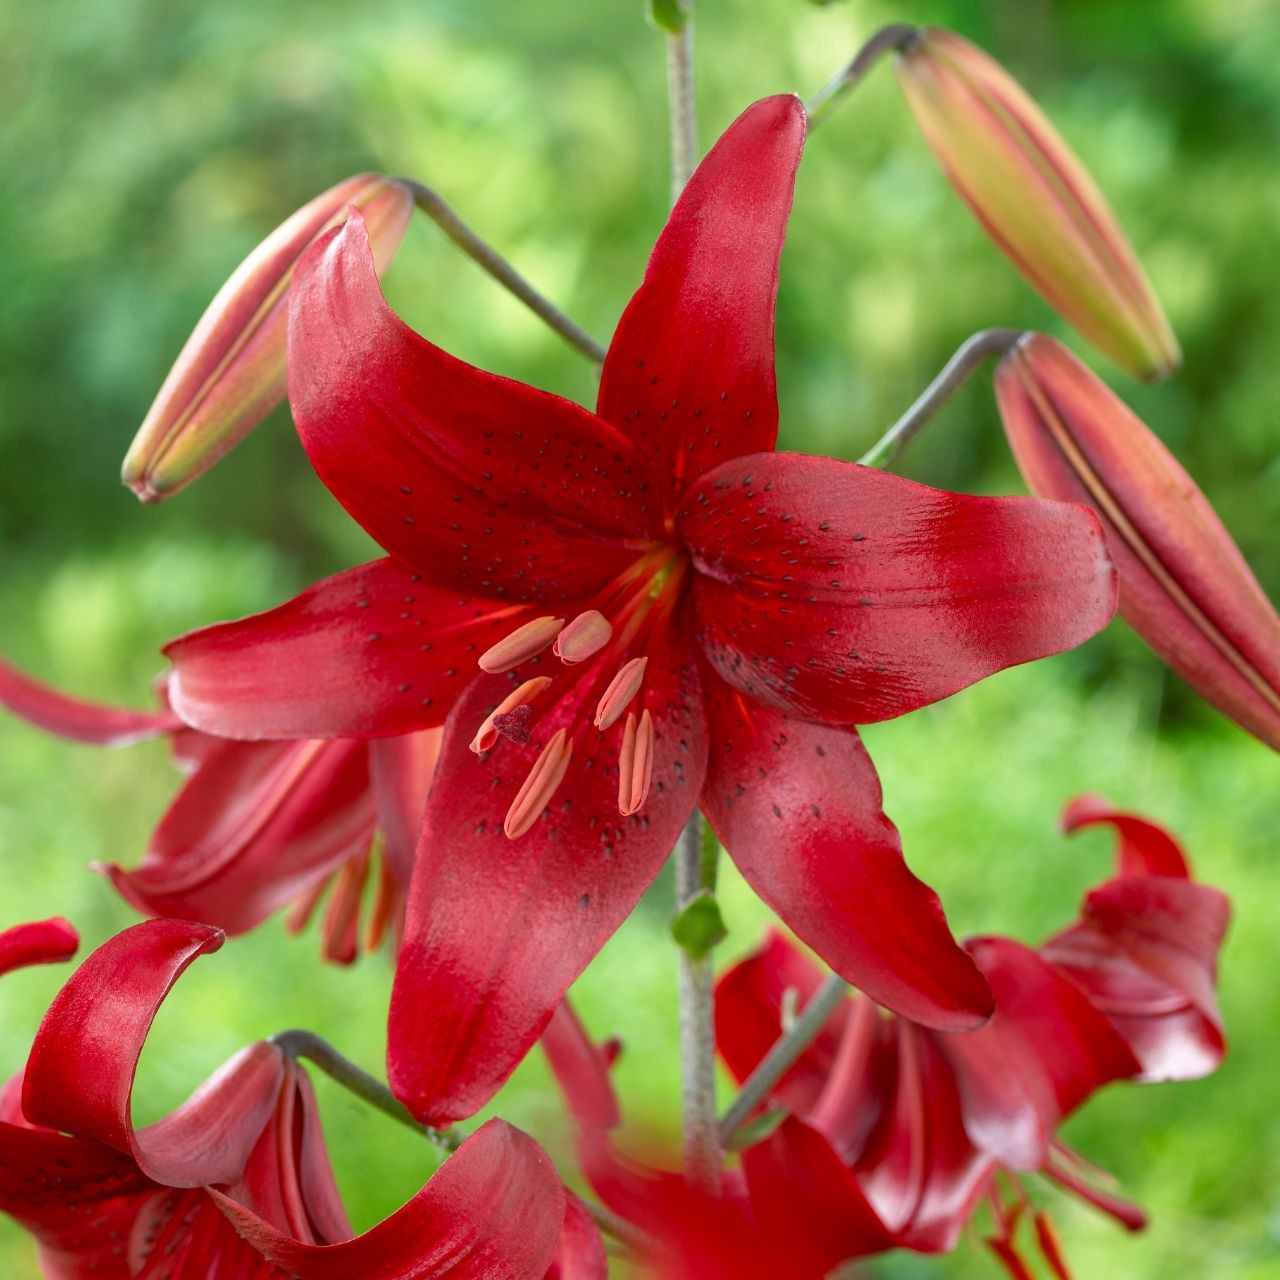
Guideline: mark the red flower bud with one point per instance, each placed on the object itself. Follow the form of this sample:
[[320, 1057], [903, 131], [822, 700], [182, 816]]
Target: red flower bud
[[1035, 199], [1184, 586], [231, 373]]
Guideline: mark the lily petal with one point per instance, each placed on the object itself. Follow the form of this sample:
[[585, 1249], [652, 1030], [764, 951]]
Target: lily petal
[[75, 719], [843, 594], [41, 942], [580, 1254], [370, 652], [1184, 586], [80, 1074], [1144, 848], [254, 827], [798, 807], [1015, 1094], [581, 1068], [497, 929], [401, 770], [689, 374], [479, 483], [493, 1209]]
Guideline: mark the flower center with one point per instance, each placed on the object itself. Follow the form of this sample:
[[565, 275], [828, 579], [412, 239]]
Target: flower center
[[617, 630]]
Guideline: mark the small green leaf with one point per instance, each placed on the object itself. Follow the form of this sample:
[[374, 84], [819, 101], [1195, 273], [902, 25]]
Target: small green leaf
[[668, 15], [757, 1130], [699, 926]]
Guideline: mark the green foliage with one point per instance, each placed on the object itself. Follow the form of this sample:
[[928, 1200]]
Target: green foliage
[[699, 928], [147, 146], [668, 15]]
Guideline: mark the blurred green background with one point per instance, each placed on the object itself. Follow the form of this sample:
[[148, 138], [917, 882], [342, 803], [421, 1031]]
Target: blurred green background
[[149, 145]]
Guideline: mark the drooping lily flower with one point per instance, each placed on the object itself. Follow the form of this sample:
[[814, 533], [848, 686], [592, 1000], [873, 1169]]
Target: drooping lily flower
[[917, 1123], [259, 825], [237, 1181], [1184, 586], [1035, 199], [231, 373], [621, 615]]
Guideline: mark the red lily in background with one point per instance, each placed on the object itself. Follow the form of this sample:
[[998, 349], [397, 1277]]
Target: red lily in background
[[903, 1126], [719, 617], [261, 824], [237, 1181]]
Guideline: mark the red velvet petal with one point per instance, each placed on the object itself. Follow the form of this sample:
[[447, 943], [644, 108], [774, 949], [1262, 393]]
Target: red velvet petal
[[847, 595], [401, 769], [494, 1209], [41, 942], [1043, 1053], [480, 483], [802, 1191], [258, 824], [919, 1169], [77, 1198], [372, 651], [1144, 848], [582, 1070], [75, 719], [689, 374], [497, 929], [1146, 954], [80, 1073], [748, 1011], [580, 1254], [798, 807]]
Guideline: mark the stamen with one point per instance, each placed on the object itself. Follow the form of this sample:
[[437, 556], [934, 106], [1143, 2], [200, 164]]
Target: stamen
[[520, 645], [1127, 1215], [588, 633], [487, 733], [514, 725], [622, 688], [1047, 1238], [635, 763], [537, 789]]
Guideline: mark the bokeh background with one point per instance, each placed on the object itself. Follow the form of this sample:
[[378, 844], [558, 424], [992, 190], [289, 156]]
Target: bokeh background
[[148, 144]]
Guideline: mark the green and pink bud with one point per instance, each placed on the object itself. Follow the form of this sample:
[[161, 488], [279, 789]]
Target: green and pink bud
[[1184, 586], [231, 373], [1035, 199]]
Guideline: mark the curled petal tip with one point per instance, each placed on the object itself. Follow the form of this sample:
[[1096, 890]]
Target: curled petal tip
[[1035, 199], [231, 373], [1184, 585]]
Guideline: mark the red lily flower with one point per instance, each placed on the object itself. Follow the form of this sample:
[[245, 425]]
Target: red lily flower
[[719, 616], [261, 824], [916, 1123], [236, 1182]]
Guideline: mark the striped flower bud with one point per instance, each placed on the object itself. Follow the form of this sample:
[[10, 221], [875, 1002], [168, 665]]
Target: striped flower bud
[[231, 373], [1035, 199], [1184, 586]]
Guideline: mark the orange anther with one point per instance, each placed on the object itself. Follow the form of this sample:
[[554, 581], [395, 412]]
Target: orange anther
[[622, 688], [537, 789], [588, 633], [520, 645], [635, 763]]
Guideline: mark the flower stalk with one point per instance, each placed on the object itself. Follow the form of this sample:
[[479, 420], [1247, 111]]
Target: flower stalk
[[681, 102], [788, 1047], [955, 373], [430, 202], [896, 37]]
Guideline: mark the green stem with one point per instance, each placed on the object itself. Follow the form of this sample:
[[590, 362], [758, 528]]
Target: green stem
[[898, 37], [703, 1158], [682, 105], [786, 1049], [486, 256], [955, 373], [316, 1049]]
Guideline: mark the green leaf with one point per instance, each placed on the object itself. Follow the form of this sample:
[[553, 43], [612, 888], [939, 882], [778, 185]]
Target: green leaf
[[668, 15], [700, 925], [757, 1130]]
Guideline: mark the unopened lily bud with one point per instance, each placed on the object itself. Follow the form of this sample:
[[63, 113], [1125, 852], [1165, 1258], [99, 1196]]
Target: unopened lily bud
[[231, 373], [1184, 586], [1035, 199]]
